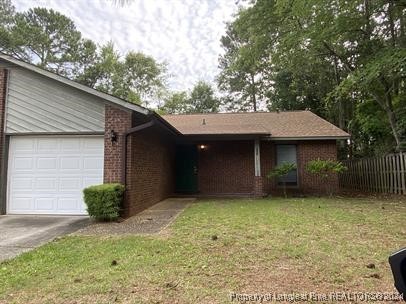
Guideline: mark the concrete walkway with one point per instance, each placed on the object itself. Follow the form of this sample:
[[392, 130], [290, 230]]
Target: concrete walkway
[[150, 221], [20, 233]]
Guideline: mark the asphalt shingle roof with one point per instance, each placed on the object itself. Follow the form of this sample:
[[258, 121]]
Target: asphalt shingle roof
[[291, 124]]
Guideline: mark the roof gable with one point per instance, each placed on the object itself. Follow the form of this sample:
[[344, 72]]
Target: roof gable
[[106, 97]]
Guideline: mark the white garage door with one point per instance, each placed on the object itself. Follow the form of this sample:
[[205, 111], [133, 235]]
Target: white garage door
[[46, 175]]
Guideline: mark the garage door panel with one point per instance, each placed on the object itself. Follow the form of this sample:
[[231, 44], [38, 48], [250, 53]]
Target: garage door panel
[[49, 178], [93, 144], [23, 163], [92, 163], [46, 163], [71, 145], [89, 181], [22, 184], [68, 204], [46, 145], [23, 204], [45, 204], [70, 163], [70, 184], [46, 184], [27, 146]]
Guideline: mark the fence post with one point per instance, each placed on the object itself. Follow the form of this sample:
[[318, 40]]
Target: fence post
[[402, 173]]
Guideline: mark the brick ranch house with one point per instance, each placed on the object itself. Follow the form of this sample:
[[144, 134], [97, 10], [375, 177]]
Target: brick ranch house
[[58, 137]]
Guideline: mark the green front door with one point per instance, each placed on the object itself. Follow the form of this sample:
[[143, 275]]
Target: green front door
[[186, 169]]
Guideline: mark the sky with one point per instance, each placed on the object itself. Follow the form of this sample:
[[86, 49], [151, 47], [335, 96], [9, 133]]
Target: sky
[[183, 33]]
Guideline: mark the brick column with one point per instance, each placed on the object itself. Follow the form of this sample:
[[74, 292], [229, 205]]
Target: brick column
[[3, 92], [258, 187], [118, 121]]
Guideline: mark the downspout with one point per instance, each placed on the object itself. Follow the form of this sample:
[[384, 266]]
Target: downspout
[[4, 143], [124, 147]]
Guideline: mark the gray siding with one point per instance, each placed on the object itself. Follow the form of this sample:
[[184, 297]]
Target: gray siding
[[6, 65], [37, 104]]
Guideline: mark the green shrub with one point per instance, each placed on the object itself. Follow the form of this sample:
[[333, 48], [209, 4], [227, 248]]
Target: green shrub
[[104, 201], [281, 171], [324, 169]]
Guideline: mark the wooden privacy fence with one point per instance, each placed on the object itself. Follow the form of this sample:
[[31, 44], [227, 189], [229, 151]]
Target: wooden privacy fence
[[385, 174]]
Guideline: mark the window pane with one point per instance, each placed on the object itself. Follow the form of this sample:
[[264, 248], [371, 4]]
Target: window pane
[[287, 153]]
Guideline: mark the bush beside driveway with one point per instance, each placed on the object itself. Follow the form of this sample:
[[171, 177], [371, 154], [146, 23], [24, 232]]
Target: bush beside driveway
[[220, 246]]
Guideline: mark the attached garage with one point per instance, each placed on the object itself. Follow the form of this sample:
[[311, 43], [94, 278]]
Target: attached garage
[[53, 136], [46, 174]]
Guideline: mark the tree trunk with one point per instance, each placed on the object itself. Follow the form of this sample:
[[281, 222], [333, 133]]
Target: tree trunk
[[284, 190], [367, 15], [402, 26], [393, 126], [391, 23], [340, 103], [253, 93], [388, 108]]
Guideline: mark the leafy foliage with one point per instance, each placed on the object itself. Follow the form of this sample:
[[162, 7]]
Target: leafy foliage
[[175, 103], [201, 99], [325, 168], [104, 201], [7, 12], [50, 40], [326, 56], [241, 70], [135, 77], [282, 170]]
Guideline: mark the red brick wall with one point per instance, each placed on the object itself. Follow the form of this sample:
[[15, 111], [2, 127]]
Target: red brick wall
[[227, 167], [119, 121], [150, 161], [310, 150], [306, 151], [259, 186], [150, 169]]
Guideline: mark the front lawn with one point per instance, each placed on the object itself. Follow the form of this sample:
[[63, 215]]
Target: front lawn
[[220, 246]]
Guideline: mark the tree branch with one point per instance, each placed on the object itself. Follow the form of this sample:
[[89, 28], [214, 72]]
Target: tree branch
[[334, 53]]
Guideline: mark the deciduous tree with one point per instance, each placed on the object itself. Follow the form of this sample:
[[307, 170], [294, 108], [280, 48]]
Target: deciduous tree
[[135, 77], [330, 57], [202, 99]]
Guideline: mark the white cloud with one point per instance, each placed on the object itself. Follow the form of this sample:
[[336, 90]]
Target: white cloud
[[184, 33]]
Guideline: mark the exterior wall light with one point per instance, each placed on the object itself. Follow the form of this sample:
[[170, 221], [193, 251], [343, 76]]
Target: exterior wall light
[[202, 147], [113, 136]]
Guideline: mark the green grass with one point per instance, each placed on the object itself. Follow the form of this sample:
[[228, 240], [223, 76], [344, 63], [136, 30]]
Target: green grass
[[270, 245]]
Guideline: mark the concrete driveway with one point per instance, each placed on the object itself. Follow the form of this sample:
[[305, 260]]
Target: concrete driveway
[[20, 233]]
